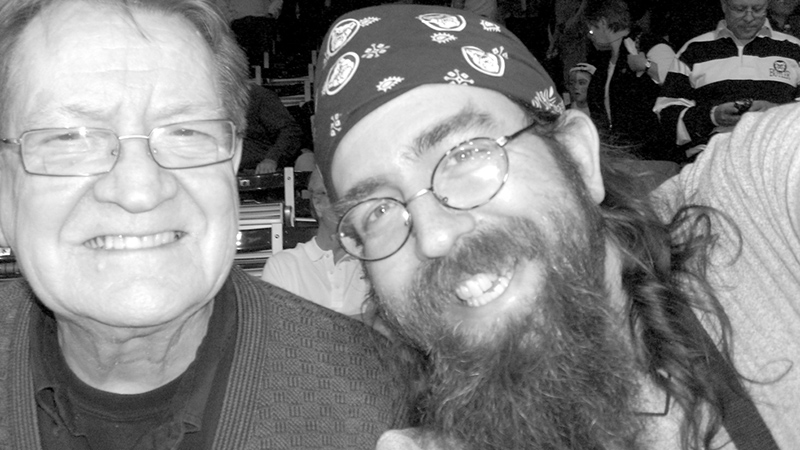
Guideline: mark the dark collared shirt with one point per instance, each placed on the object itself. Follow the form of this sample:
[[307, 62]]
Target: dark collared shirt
[[179, 415]]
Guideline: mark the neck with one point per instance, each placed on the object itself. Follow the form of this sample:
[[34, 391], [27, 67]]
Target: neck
[[132, 360]]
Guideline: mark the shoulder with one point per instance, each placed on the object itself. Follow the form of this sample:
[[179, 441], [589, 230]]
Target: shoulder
[[295, 260], [320, 361], [288, 256], [13, 296], [699, 41], [785, 37], [16, 299], [302, 322]]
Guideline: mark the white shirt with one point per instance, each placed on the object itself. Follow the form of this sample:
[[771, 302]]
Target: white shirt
[[310, 272]]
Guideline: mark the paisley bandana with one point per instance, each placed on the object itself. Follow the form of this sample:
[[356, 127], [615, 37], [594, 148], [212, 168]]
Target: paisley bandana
[[373, 55]]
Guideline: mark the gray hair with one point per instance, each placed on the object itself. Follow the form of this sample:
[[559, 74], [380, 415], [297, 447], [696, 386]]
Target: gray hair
[[229, 60]]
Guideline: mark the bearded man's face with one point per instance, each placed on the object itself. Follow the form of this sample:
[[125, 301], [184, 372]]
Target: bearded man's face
[[509, 299]]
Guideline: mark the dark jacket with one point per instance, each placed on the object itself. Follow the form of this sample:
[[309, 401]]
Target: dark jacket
[[633, 124], [302, 376]]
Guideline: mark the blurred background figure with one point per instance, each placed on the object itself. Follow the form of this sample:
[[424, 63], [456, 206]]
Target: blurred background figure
[[579, 78], [320, 270], [743, 65], [783, 16], [630, 62], [273, 138], [485, 8]]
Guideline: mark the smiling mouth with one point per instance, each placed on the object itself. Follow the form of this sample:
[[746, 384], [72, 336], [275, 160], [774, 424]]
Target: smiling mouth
[[483, 288], [121, 242]]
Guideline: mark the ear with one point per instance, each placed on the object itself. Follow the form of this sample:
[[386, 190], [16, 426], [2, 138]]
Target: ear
[[583, 142], [237, 154]]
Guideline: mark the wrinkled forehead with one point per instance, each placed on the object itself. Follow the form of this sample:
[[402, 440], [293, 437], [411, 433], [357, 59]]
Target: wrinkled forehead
[[739, 4], [89, 58]]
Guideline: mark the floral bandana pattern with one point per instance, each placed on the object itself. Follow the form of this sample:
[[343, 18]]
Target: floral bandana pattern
[[373, 55]]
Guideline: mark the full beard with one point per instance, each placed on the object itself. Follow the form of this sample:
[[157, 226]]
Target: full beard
[[557, 375]]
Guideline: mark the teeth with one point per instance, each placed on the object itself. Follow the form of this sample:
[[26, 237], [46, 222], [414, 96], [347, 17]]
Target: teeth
[[482, 289], [120, 242]]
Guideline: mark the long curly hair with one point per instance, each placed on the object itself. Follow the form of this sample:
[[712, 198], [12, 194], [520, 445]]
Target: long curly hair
[[664, 275]]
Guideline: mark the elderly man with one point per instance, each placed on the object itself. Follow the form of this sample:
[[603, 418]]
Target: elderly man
[[121, 134], [320, 270], [550, 306], [743, 65]]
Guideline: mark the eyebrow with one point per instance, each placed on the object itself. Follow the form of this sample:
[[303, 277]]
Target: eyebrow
[[466, 119], [463, 120]]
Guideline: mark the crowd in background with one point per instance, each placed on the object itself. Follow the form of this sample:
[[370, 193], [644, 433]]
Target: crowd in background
[[562, 34]]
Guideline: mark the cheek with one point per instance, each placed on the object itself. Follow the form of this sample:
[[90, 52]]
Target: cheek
[[218, 199], [393, 276]]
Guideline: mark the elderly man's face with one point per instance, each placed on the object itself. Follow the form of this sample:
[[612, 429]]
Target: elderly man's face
[[320, 201], [745, 17], [141, 245]]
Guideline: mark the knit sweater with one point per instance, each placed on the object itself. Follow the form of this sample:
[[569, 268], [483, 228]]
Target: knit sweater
[[753, 176], [302, 376]]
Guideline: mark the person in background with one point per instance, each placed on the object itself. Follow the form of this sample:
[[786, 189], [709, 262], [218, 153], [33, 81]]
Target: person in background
[[320, 270], [273, 138], [550, 306], [131, 328], [784, 17], [743, 65], [579, 78], [630, 66], [485, 8]]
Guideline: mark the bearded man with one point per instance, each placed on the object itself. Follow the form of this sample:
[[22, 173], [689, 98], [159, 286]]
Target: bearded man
[[551, 308]]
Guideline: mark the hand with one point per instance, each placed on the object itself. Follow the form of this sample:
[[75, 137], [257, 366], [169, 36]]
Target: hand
[[726, 115], [638, 62], [552, 48], [266, 166], [761, 105]]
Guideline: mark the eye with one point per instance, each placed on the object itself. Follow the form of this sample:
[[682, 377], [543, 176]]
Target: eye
[[71, 140], [378, 213], [187, 132], [67, 137]]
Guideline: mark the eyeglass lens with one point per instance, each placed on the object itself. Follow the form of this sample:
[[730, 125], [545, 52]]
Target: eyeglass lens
[[89, 151], [466, 177]]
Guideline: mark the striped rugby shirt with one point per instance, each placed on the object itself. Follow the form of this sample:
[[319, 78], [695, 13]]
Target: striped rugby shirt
[[714, 68]]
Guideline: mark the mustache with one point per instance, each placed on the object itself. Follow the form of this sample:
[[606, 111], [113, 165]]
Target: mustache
[[494, 250]]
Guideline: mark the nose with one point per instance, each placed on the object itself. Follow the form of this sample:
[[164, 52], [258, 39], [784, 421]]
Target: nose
[[136, 183], [436, 227]]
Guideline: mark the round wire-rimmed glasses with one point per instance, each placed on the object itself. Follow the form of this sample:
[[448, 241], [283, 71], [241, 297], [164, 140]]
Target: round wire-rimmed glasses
[[467, 176], [86, 151]]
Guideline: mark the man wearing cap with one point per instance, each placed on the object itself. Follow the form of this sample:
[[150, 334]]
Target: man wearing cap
[[549, 305]]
